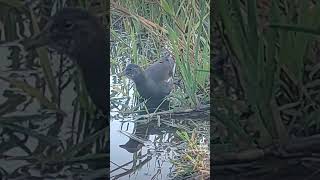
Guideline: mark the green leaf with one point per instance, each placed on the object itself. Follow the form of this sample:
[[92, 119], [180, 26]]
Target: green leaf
[[164, 4], [295, 28], [14, 3]]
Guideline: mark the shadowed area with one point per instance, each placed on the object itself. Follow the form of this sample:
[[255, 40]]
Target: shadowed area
[[79, 35]]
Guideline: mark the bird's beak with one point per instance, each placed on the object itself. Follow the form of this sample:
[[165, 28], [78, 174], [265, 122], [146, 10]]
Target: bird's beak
[[38, 40]]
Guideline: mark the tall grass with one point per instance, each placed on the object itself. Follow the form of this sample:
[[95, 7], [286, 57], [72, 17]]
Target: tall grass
[[180, 26], [262, 55]]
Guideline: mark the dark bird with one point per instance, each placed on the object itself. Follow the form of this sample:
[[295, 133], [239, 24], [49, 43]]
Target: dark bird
[[79, 35], [154, 83]]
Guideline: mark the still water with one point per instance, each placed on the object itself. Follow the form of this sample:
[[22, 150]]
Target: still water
[[38, 142], [142, 148]]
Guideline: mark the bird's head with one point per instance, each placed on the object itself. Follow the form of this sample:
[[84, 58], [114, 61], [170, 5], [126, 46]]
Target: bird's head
[[71, 31], [133, 71]]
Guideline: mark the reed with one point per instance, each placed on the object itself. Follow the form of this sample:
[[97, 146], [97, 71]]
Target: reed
[[270, 57], [180, 26]]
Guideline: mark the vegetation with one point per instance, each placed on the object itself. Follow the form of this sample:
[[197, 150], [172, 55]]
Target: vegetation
[[194, 162], [265, 53], [36, 108], [142, 30]]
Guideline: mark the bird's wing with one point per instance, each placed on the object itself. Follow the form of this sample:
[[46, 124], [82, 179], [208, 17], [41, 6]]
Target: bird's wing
[[161, 70], [158, 71]]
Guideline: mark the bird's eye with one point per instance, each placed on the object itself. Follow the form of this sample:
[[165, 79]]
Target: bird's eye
[[68, 25]]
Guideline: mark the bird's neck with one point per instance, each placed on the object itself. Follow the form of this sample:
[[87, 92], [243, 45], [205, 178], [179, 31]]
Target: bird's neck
[[141, 79], [93, 54], [94, 68], [94, 64]]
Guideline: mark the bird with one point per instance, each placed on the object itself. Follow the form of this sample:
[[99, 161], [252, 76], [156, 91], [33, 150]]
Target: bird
[[154, 83], [78, 34]]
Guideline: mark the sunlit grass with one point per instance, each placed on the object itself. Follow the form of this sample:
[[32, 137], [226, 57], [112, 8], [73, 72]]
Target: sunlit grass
[[194, 161]]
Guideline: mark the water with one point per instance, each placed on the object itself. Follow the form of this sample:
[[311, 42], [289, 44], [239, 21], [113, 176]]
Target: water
[[140, 160], [142, 149], [35, 140]]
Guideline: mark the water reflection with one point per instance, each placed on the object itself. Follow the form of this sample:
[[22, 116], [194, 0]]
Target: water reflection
[[35, 139], [142, 148]]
